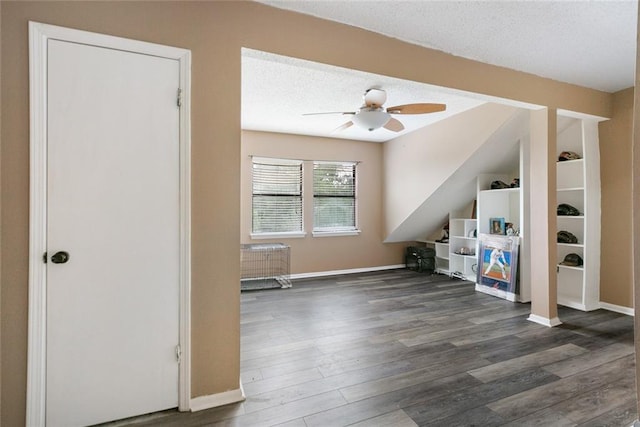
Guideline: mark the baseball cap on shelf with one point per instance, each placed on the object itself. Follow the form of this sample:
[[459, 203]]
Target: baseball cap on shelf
[[565, 209], [568, 155], [566, 237], [572, 260], [496, 185]]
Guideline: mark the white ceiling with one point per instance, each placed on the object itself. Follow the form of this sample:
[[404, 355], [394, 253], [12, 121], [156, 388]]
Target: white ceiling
[[588, 43], [277, 91]]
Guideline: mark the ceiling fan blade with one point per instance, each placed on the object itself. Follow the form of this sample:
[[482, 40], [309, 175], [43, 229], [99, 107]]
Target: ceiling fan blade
[[394, 125], [416, 108], [344, 126], [330, 112]]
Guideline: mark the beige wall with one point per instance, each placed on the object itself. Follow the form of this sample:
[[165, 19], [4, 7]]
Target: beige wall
[[541, 219], [418, 163], [215, 32], [1, 318], [313, 254], [616, 272], [210, 31], [636, 212]]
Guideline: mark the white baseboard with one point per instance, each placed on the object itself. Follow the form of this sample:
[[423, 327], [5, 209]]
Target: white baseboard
[[572, 304], [544, 321], [350, 271], [629, 311], [219, 399]]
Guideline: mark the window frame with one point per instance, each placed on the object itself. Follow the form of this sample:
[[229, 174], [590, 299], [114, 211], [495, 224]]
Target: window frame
[[274, 233], [351, 230]]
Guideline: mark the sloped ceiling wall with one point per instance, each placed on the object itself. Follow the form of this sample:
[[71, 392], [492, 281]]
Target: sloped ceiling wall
[[432, 172]]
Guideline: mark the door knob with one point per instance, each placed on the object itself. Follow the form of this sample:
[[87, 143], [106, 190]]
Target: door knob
[[60, 257]]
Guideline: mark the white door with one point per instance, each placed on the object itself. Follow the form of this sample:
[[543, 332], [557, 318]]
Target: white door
[[113, 205]]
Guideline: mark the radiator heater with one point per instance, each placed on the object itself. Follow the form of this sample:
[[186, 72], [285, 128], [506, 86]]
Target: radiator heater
[[264, 266]]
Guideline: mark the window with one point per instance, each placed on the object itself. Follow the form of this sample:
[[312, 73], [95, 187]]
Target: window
[[277, 196], [334, 197]]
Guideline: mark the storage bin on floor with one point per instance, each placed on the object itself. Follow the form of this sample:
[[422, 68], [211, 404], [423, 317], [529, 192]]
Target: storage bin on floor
[[420, 259]]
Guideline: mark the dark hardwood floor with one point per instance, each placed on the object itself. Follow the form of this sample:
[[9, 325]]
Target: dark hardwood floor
[[399, 348]]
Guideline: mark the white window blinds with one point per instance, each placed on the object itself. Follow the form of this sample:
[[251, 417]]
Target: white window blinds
[[277, 195], [334, 196]]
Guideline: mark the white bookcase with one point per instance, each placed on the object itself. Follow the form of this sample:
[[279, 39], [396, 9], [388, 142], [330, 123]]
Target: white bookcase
[[442, 251], [463, 247], [501, 203], [442, 257], [578, 184]]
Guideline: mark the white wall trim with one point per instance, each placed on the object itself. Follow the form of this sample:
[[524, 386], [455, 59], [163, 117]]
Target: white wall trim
[[544, 321], [184, 386], [283, 235], [219, 399], [350, 271], [572, 304], [36, 356], [39, 34], [336, 233], [617, 308]]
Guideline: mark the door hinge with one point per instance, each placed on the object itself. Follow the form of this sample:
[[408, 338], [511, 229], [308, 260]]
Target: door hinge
[[178, 354], [179, 101], [44, 258]]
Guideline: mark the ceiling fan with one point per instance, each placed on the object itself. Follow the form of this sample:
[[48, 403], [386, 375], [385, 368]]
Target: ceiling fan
[[373, 116]]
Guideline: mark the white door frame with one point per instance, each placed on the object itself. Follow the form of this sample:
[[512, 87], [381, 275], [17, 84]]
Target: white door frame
[[39, 34]]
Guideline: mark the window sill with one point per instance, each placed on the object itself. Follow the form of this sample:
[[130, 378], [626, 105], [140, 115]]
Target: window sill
[[285, 235], [336, 233]]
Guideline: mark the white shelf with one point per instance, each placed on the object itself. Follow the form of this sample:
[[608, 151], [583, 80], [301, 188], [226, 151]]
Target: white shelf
[[571, 245], [578, 184], [570, 162], [462, 265], [462, 237], [571, 189], [501, 190], [575, 226], [441, 256], [500, 203], [569, 174], [570, 267], [506, 203]]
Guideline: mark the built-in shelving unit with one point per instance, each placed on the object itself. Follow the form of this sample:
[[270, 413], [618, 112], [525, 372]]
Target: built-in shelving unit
[[578, 184], [442, 256], [504, 203], [462, 248]]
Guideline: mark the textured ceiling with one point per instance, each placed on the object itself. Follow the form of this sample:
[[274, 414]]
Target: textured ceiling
[[588, 43], [277, 91]]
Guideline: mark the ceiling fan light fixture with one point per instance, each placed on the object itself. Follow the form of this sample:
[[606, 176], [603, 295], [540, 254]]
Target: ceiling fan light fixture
[[371, 120], [375, 97]]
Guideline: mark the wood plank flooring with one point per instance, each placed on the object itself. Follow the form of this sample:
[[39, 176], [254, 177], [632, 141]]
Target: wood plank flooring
[[399, 348]]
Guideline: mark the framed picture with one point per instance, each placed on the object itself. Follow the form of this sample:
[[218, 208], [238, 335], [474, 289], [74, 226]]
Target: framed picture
[[496, 226], [498, 262]]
